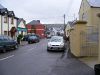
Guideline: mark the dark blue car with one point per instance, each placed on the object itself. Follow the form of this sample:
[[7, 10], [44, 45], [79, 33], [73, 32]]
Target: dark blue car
[[7, 43], [25, 38], [33, 39]]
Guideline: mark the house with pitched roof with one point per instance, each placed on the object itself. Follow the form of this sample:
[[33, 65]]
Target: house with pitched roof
[[69, 27], [84, 37], [21, 27], [89, 11], [8, 22], [36, 27]]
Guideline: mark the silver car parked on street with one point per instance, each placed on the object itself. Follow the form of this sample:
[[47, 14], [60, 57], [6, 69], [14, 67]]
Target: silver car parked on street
[[56, 43]]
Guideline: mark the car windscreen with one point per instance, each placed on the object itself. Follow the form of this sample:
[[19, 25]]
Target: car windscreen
[[55, 40], [3, 38], [32, 37]]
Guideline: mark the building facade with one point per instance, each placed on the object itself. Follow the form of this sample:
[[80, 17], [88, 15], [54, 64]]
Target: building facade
[[54, 29], [8, 22], [89, 11], [84, 38], [21, 27], [36, 27]]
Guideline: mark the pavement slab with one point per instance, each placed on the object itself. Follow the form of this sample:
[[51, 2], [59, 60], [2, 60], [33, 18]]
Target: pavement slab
[[71, 66]]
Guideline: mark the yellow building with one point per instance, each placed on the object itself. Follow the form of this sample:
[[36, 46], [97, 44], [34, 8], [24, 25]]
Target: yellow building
[[89, 11], [84, 36]]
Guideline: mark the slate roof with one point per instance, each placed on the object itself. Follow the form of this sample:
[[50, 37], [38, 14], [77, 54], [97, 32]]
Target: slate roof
[[94, 3], [54, 26], [71, 23], [34, 22], [19, 20], [11, 13], [3, 11]]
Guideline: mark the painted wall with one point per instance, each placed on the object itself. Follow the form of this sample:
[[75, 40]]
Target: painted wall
[[75, 37], [99, 46], [4, 25], [12, 25], [86, 10], [21, 25], [29, 27], [40, 30], [95, 20], [90, 14]]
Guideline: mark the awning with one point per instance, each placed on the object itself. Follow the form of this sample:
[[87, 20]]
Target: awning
[[22, 29]]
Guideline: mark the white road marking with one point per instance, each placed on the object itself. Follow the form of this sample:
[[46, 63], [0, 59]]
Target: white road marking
[[6, 57]]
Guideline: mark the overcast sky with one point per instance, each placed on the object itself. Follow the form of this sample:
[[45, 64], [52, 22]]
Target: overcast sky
[[47, 11]]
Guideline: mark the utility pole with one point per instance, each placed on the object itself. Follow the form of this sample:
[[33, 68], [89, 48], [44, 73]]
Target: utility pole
[[64, 26], [64, 21]]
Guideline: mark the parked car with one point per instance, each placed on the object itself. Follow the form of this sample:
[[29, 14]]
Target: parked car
[[7, 43], [56, 43], [33, 39], [25, 38], [49, 36]]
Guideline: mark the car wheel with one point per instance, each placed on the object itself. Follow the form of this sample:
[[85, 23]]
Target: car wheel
[[4, 50], [48, 49], [29, 42], [37, 41]]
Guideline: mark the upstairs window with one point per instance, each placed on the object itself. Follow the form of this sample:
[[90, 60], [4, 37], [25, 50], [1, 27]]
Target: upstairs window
[[5, 19], [84, 17]]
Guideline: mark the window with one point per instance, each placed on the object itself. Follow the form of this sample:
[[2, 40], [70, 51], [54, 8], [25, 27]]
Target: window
[[5, 19], [5, 32], [12, 20], [84, 17]]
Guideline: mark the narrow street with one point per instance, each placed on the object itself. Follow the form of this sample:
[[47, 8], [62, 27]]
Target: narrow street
[[33, 59]]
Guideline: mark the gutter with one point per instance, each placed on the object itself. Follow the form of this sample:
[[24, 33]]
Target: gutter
[[94, 7]]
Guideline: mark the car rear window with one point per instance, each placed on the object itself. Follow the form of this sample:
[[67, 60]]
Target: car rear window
[[32, 37]]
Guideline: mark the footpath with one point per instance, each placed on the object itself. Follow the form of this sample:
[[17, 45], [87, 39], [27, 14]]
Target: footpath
[[70, 65]]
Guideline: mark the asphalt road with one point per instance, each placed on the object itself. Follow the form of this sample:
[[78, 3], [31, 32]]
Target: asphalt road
[[33, 59]]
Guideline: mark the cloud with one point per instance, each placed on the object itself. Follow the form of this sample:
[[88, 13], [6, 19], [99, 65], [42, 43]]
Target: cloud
[[45, 10]]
